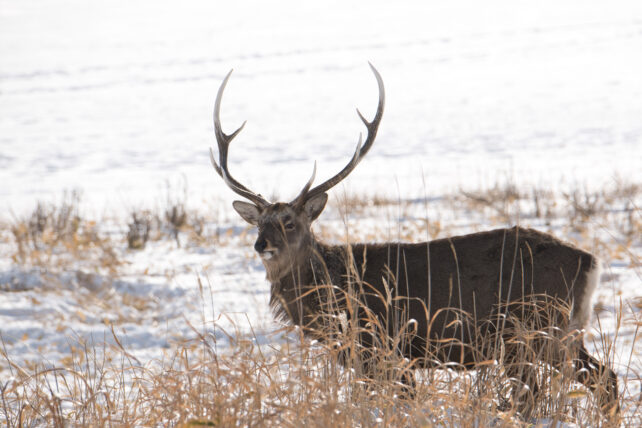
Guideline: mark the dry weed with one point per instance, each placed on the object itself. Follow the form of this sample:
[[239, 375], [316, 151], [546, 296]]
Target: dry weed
[[220, 378]]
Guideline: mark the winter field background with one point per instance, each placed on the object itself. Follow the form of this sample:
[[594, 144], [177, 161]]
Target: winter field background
[[113, 101]]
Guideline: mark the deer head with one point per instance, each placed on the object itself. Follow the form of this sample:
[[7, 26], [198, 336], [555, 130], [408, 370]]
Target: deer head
[[284, 233]]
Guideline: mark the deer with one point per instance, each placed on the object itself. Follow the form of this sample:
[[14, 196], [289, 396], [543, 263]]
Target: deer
[[446, 288]]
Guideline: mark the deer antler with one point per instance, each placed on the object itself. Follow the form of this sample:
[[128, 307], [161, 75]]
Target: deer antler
[[360, 152], [223, 141]]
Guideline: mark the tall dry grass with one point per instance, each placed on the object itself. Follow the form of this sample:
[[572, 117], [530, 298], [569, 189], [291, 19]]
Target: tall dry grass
[[223, 378], [236, 378]]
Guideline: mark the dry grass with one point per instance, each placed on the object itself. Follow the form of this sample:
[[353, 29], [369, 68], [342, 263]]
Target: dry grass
[[56, 235], [228, 378], [174, 219], [293, 382], [139, 229]]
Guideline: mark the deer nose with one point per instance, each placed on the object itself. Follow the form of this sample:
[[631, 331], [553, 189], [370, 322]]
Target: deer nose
[[260, 245]]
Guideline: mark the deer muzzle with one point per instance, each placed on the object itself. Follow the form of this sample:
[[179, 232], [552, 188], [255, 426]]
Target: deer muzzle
[[265, 250]]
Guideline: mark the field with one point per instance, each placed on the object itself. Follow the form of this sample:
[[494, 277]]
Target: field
[[130, 294]]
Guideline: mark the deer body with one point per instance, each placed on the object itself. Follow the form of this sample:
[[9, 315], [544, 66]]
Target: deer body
[[444, 291], [471, 274]]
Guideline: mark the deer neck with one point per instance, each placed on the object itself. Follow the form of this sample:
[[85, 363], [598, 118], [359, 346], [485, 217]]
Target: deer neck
[[290, 296]]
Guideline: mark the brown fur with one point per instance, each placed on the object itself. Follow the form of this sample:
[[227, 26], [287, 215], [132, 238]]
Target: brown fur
[[467, 273], [451, 287]]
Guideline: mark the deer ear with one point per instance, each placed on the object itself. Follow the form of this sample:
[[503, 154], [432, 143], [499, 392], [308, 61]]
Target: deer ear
[[314, 206], [249, 212]]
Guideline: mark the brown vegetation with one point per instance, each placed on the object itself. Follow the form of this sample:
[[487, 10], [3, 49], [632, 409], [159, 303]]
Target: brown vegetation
[[223, 378]]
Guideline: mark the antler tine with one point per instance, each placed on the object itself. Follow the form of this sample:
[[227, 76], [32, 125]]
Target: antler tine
[[223, 141], [359, 153], [301, 197]]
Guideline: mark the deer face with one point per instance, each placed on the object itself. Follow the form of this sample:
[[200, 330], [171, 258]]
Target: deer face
[[284, 229]]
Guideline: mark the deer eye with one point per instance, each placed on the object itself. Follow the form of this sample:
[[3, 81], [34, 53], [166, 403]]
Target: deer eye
[[289, 225]]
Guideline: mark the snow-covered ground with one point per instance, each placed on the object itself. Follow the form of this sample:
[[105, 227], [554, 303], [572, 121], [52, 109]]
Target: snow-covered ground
[[115, 98]]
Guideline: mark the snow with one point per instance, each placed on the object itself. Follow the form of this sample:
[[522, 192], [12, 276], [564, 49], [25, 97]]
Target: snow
[[115, 99], [118, 97]]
